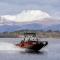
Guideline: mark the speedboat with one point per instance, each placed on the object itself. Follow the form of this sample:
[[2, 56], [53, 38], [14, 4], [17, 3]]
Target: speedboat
[[32, 43]]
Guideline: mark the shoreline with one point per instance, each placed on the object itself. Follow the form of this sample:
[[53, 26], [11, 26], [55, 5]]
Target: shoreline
[[38, 34]]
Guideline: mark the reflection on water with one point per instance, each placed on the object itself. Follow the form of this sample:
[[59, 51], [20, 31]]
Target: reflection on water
[[32, 52]]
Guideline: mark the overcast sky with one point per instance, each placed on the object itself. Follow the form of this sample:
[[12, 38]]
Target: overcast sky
[[12, 7]]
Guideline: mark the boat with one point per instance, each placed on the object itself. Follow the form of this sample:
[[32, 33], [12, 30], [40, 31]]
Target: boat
[[31, 42]]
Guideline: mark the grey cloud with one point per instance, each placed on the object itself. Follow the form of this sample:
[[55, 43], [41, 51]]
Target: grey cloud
[[19, 2], [15, 6]]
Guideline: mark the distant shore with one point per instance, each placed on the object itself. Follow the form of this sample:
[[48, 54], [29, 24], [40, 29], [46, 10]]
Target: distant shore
[[38, 33]]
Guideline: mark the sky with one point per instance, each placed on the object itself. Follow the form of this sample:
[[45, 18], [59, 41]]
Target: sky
[[13, 7]]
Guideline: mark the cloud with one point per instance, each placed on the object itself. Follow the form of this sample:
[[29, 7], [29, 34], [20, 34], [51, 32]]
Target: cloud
[[27, 15], [15, 6]]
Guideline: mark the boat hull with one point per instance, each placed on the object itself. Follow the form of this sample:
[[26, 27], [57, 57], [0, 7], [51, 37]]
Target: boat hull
[[33, 45]]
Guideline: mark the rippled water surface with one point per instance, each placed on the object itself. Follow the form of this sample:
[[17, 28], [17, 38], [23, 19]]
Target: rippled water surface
[[8, 50]]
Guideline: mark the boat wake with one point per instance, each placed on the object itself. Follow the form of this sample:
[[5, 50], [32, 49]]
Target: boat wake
[[5, 46]]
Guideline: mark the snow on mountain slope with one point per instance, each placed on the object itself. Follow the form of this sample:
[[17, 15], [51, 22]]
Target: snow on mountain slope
[[28, 19]]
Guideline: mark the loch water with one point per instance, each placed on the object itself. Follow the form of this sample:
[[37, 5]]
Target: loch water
[[8, 50]]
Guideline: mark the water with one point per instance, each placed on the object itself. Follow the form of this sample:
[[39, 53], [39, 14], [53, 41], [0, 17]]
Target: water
[[8, 50]]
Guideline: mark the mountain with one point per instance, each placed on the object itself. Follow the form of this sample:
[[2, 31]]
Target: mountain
[[32, 26], [29, 26], [39, 23], [54, 27]]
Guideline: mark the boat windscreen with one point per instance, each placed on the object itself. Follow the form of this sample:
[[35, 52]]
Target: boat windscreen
[[30, 38]]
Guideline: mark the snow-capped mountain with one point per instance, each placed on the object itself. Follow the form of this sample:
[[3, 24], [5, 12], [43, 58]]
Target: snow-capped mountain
[[39, 25], [31, 20]]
